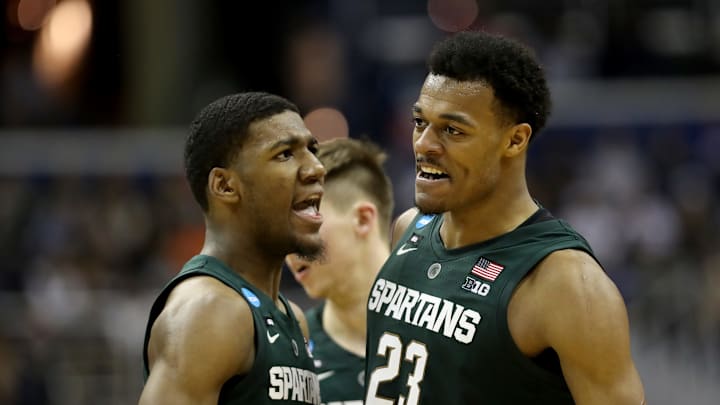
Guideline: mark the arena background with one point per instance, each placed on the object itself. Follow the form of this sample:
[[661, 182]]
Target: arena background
[[96, 96]]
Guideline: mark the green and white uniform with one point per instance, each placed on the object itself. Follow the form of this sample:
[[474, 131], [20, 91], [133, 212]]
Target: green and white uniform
[[283, 370], [437, 319], [340, 372]]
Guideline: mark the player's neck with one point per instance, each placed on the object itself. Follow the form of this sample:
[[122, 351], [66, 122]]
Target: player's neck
[[486, 221], [261, 270]]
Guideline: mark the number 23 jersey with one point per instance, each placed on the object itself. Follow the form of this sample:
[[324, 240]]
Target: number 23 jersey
[[437, 324]]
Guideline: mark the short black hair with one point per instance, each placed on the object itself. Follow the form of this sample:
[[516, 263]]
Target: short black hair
[[218, 132], [510, 68]]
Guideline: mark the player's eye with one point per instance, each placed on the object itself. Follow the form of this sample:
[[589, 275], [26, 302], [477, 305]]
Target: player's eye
[[419, 122], [284, 155], [452, 131], [313, 148]]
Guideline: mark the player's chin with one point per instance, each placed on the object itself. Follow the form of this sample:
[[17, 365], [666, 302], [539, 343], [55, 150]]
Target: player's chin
[[429, 205], [310, 247]]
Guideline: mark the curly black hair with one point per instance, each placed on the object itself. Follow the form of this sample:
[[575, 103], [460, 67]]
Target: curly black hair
[[510, 68], [218, 132]]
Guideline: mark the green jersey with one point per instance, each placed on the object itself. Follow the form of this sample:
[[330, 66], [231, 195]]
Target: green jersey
[[283, 370], [437, 319], [340, 372]]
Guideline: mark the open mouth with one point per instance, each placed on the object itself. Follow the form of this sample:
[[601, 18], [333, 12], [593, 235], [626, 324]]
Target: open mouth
[[309, 207], [431, 173]]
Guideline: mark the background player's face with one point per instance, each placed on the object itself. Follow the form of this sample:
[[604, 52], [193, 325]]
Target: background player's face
[[327, 276], [458, 142], [282, 184]]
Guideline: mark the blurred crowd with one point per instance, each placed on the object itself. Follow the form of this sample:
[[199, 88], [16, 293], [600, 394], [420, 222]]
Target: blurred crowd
[[84, 255], [647, 200], [81, 257]]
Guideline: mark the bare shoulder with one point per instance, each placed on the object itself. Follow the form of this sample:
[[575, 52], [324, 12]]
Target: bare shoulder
[[300, 316], [562, 286], [570, 288], [401, 224], [573, 276], [576, 273], [582, 316], [205, 299], [203, 336]]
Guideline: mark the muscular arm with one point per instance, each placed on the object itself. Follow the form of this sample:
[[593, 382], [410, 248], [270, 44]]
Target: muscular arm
[[584, 320], [203, 337]]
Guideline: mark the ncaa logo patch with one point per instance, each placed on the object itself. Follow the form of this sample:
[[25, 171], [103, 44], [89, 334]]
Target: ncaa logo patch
[[424, 220], [251, 297]]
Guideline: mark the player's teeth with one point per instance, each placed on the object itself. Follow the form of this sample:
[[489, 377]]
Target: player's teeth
[[431, 170]]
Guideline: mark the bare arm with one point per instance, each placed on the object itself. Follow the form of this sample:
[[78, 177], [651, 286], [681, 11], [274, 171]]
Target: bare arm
[[203, 337], [401, 224], [585, 321]]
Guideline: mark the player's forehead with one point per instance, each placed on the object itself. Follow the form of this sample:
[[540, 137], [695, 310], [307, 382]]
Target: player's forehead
[[285, 128], [444, 95], [439, 84]]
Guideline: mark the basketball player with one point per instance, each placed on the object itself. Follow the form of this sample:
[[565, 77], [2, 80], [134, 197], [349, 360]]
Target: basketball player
[[220, 332], [487, 298]]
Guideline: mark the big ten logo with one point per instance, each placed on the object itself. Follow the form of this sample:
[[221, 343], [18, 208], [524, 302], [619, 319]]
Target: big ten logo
[[476, 286]]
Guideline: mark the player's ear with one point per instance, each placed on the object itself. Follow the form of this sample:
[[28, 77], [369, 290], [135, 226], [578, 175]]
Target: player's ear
[[365, 217], [518, 139], [224, 185]]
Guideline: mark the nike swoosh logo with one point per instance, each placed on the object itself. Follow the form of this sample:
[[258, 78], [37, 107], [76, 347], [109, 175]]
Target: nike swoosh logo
[[404, 250], [272, 338], [325, 375]]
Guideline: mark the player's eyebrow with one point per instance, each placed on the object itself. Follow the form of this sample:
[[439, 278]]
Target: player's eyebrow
[[293, 141], [457, 118], [460, 118]]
